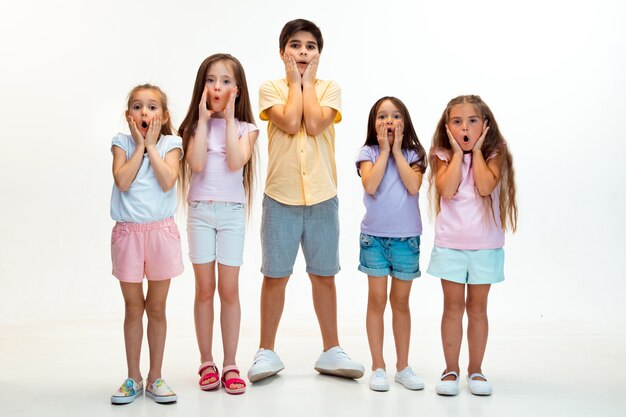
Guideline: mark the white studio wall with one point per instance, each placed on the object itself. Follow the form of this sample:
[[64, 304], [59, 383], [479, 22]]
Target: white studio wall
[[552, 72]]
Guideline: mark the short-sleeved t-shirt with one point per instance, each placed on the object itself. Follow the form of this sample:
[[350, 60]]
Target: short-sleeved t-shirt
[[466, 221], [217, 182], [392, 211], [145, 201]]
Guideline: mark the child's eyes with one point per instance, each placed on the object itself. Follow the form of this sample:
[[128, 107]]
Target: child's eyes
[[136, 107], [397, 116], [153, 107], [227, 82], [456, 122], [473, 120], [311, 47], [209, 80]]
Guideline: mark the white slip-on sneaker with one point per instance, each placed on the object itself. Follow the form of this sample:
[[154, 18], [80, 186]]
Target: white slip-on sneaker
[[266, 363], [409, 379], [127, 392], [378, 380], [448, 388], [337, 362], [160, 392], [478, 387]]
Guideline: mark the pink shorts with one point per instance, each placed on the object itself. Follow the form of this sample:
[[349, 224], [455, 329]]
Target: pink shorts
[[146, 249]]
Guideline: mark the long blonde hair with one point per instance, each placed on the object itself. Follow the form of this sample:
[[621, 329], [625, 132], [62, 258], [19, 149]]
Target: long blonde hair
[[494, 144], [243, 112]]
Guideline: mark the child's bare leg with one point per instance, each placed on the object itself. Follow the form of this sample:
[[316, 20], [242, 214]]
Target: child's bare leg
[[477, 326], [133, 326], [452, 323], [230, 315], [157, 325], [272, 304], [203, 311], [375, 323], [325, 304], [401, 319]]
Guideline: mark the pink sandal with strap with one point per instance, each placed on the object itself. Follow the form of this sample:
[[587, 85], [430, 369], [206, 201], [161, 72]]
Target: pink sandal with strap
[[226, 383], [203, 378]]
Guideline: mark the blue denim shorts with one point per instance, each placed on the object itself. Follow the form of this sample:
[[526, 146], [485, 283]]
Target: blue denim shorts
[[483, 266], [216, 230], [284, 228], [395, 256]]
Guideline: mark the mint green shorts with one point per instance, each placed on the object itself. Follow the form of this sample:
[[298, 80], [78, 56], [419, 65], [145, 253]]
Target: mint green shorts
[[482, 266]]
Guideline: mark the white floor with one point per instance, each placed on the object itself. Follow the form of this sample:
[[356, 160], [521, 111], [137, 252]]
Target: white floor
[[70, 368]]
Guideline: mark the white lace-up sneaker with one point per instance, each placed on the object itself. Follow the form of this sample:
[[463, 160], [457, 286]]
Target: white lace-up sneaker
[[378, 380], [266, 363], [409, 379], [336, 362]]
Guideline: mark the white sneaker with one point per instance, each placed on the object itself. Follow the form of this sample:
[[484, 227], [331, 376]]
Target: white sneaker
[[409, 379], [448, 388], [127, 392], [378, 380], [266, 363], [160, 392], [478, 387], [336, 362]]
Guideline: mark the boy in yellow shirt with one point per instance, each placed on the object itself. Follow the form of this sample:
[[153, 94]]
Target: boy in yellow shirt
[[300, 205]]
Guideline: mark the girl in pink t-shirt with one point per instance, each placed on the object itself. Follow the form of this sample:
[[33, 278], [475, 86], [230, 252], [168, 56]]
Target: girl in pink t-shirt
[[473, 189], [219, 140]]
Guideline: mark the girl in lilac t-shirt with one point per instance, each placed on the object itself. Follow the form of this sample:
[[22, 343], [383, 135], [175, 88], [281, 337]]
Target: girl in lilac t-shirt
[[472, 182], [391, 165], [219, 139]]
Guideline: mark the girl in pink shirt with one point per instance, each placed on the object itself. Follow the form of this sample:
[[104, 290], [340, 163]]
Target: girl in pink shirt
[[473, 190], [219, 140]]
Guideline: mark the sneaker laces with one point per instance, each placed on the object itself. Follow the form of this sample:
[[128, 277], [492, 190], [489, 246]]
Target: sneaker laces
[[261, 356], [379, 373]]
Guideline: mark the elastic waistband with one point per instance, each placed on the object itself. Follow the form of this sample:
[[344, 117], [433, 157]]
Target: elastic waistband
[[144, 227]]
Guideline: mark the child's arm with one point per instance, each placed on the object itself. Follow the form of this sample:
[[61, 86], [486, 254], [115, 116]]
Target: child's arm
[[125, 171], [448, 175], [486, 173], [165, 170], [372, 173], [316, 118], [238, 150], [411, 178], [196, 154], [288, 117]]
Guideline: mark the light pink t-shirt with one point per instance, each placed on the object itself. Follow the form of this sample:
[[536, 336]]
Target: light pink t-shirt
[[465, 220], [217, 182]]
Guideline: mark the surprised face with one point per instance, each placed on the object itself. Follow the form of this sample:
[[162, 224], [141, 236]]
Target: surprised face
[[466, 125]]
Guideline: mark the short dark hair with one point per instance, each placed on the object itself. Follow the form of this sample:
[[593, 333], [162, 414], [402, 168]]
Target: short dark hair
[[300, 25]]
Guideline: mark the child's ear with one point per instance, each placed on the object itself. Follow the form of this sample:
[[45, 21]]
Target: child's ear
[[166, 117]]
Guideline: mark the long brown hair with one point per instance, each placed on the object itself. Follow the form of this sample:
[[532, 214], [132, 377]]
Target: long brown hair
[[166, 128], [243, 112], [494, 143], [409, 136]]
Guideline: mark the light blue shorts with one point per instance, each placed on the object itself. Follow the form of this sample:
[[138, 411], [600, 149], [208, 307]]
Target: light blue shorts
[[284, 228], [483, 266], [395, 256], [216, 230]]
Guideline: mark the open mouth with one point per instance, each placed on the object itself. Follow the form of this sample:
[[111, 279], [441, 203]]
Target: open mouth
[[465, 139], [144, 124], [389, 131]]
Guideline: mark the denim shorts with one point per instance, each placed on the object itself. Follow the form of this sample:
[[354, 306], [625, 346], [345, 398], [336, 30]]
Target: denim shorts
[[395, 256], [216, 230], [483, 266], [284, 228]]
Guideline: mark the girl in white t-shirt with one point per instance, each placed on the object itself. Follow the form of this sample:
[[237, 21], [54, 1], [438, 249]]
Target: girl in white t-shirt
[[473, 189], [219, 140], [145, 240]]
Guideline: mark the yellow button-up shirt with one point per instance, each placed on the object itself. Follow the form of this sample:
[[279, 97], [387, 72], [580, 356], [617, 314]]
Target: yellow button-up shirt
[[301, 168]]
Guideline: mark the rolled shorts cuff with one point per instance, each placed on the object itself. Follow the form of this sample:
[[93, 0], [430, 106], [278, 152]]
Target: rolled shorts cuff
[[280, 274]]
